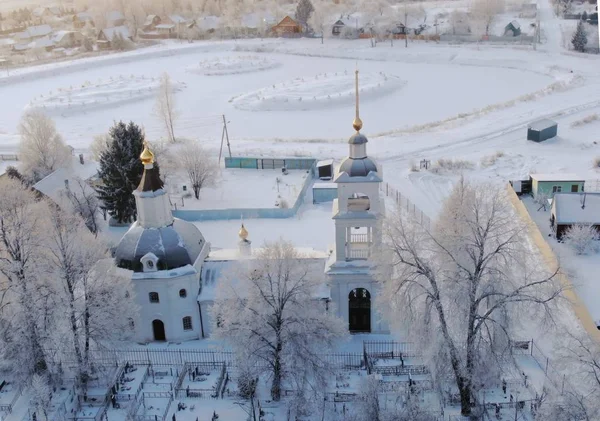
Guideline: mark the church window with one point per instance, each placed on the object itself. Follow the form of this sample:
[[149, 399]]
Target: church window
[[187, 323], [150, 264], [154, 297], [182, 293]]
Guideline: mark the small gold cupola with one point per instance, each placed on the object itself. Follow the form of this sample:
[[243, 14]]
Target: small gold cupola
[[243, 233], [147, 157]]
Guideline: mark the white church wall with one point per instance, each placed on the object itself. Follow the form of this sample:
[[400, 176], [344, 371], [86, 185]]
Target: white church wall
[[171, 308], [156, 211]]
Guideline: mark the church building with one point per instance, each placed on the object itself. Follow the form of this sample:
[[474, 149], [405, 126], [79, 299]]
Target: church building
[[175, 273]]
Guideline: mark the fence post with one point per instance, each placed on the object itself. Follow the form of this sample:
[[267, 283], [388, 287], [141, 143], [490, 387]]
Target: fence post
[[546, 370], [532, 347]]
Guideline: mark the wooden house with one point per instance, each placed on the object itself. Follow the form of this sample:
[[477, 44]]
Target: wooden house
[[348, 26], [287, 27], [167, 30], [574, 209], [151, 22], [68, 39], [107, 35]]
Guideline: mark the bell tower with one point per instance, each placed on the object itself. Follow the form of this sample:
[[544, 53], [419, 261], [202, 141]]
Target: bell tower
[[358, 212]]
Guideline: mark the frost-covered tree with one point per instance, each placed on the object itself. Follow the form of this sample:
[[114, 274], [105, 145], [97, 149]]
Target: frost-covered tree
[[319, 20], [121, 171], [26, 295], [268, 313], [42, 149], [579, 39], [41, 395], [99, 144], [583, 239], [461, 288], [200, 168], [94, 298], [165, 106], [83, 202], [485, 11], [303, 11]]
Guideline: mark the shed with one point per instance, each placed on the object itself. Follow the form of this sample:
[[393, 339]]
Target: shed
[[549, 184], [324, 192], [541, 130], [166, 29], [572, 209], [513, 28], [325, 169]]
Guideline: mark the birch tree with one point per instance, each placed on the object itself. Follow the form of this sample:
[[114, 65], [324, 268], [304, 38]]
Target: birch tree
[[461, 288], [200, 168], [165, 106], [319, 20], [25, 299], [485, 11], [83, 201], [95, 302], [267, 311], [42, 149]]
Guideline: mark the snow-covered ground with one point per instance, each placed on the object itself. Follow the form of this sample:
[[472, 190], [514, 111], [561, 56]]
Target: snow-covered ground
[[100, 94], [233, 65], [240, 188]]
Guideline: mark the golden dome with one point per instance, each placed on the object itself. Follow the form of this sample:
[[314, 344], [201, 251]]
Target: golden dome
[[243, 233], [357, 124], [147, 157]]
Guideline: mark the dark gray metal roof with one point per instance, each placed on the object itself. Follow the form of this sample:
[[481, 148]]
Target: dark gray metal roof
[[358, 167], [150, 180], [166, 243], [542, 124], [357, 139]]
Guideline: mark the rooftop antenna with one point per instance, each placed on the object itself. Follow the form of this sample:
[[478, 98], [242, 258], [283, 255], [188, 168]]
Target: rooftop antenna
[[357, 123]]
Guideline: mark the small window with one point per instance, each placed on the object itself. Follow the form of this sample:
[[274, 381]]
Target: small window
[[154, 297], [574, 188], [556, 189], [187, 323], [150, 264], [182, 293]]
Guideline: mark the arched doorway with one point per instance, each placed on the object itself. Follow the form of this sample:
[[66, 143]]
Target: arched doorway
[[359, 310], [158, 327]]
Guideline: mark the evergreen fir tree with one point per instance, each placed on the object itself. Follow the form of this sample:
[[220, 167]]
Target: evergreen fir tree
[[579, 38], [303, 11], [121, 171]]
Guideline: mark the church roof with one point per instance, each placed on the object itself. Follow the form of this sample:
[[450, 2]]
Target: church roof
[[360, 167], [176, 245], [150, 180], [357, 139]]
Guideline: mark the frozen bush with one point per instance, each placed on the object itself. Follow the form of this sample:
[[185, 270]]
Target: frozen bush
[[489, 160], [582, 238], [452, 165], [585, 120]]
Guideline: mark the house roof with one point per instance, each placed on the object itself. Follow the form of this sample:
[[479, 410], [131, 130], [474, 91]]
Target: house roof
[[109, 33], [84, 16], [59, 35], [556, 177], [42, 43], [114, 16], [53, 184], [577, 208], [515, 24], [38, 31], [288, 21], [165, 26], [177, 19]]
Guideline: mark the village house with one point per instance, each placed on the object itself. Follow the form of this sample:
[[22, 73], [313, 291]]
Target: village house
[[107, 35], [151, 22], [166, 30], [570, 209], [513, 29], [348, 26], [82, 19], [33, 33], [287, 27], [546, 185], [208, 24], [68, 39]]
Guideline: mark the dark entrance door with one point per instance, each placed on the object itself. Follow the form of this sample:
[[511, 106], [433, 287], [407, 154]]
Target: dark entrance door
[[359, 310], [158, 327]]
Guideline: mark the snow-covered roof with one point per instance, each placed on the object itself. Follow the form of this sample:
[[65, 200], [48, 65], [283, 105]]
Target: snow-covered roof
[[84, 16], [110, 33], [53, 184], [165, 26], [214, 270], [577, 208], [42, 43], [38, 31], [149, 19], [114, 16], [177, 19], [21, 47], [515, 24], [325, 186], [59, 35], [209, 22], [556, 177], [21, 36], [6, 41], [542, 124], [324, 163]]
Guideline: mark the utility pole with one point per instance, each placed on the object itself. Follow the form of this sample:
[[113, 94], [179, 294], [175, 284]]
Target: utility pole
[[405, 27], [224, 135]]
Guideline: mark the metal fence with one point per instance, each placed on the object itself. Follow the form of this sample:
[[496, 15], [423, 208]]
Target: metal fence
[[270, 163], [390, 349], [404, 204]]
